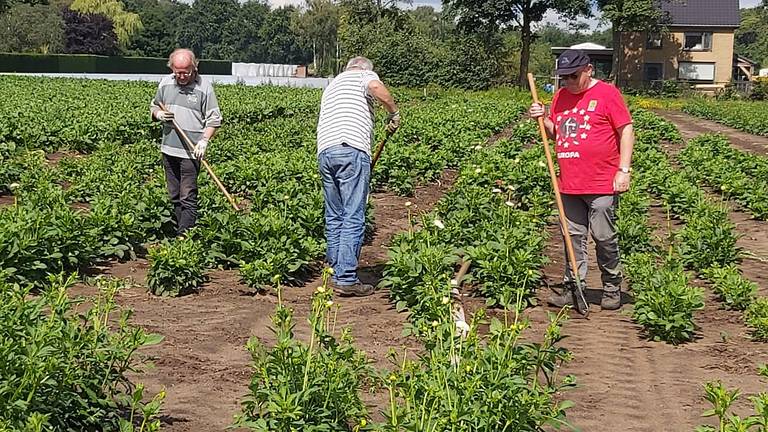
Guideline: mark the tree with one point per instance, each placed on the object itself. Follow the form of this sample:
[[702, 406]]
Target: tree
[[32, 28], [125, 24], [88, 33], [242, 33], [281, 43], [203, 28], [318, 27], [160, 20], [488, 17], [630, 16], [752, 35]]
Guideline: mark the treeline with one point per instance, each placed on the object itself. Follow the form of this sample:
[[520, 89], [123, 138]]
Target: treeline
[[415, 47], [752, 36]]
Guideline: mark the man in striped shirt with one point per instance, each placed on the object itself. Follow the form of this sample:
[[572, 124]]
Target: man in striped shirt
[[191, 102], [344, 136]]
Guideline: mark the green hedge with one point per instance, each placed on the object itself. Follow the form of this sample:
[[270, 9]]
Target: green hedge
[[85, 63]]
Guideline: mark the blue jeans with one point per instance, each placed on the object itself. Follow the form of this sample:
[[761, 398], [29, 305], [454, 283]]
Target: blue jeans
[[346, 173]]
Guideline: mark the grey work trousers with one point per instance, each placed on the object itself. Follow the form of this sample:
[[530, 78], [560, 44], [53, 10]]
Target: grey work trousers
[[595, 214], [181, 179]]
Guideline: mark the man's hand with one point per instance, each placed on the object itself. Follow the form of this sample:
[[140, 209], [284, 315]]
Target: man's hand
[[200, 148], [163, 115], [536, 110], [621, 182], [393, 122]]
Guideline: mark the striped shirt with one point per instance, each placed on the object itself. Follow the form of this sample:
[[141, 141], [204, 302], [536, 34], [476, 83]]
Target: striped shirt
[[346, 112], [194, 107]]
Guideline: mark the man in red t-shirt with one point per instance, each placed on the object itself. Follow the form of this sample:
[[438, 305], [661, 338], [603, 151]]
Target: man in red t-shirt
[[593, 135]]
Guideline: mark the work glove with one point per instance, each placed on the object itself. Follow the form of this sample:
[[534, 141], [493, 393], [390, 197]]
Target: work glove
[[393, 122], [164, 116], [200, 148]]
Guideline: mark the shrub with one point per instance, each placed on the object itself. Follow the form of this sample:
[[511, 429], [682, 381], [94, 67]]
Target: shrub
[[176, 267]]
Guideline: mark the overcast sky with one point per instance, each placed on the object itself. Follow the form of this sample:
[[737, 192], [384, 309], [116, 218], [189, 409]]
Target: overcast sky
[[550, 18]]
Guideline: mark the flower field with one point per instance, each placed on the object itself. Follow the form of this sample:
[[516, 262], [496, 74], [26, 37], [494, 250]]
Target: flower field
[[244, 331]]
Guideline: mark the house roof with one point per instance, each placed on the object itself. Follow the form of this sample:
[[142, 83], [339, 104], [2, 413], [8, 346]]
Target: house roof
[[710, 13]]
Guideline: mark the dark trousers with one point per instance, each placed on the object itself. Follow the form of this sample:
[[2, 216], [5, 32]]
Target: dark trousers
[[181, 179]]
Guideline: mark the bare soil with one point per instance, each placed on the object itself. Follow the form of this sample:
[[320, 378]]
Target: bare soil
[[626, 383]]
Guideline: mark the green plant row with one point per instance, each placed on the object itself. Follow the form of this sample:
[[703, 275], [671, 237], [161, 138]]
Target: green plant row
[[664, 301], [707, 241], [66, 370], [495, 216], [746, 116], [722, 399], [738, 175]]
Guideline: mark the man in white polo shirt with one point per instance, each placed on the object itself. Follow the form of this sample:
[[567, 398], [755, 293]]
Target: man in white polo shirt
[[344, 136]]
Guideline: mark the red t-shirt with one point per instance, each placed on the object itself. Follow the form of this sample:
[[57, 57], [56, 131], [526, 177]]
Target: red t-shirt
[[587, 139]]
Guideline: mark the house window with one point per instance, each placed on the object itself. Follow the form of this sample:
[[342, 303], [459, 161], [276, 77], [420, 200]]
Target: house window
[[653, 71], [653, 41], [693, 71], [698, 41]]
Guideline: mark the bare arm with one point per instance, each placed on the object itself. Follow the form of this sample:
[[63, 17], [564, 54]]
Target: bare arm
[[537, 110], [382, 94], [626, 145]]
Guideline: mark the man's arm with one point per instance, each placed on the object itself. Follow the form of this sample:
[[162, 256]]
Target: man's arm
[[382, 94], [626, 146]]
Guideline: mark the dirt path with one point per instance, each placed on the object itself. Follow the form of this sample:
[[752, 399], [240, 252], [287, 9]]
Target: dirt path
[[691, 127], [203, 362]]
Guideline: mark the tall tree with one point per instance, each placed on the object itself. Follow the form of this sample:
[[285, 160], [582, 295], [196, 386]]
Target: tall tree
[[32, 28], [160, 20], [752, 35], [125, 24], [88, 33], [483, 16], [203, 28], [318, 26], [630, 16]]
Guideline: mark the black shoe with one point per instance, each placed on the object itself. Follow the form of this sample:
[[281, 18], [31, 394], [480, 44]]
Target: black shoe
[[358, 289], [611, 300], [562, 298]]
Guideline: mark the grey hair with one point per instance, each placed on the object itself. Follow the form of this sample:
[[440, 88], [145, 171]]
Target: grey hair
[[183, 52], [360, 63]]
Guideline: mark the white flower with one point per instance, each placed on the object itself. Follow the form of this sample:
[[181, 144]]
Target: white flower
[[542, 164], [408, 203], [13, 186], [462, 327], [510, 203], [478, 147], [454, 282], [446, 300], [435, 323], [510, 187], [517, 160], [329, 303], [438, 223], [286, 197], [320, 289], [496, 190], [478, 170]]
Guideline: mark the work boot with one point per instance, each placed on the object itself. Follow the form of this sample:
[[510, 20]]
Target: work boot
[[611, 299], [358, 289], [562, 298]]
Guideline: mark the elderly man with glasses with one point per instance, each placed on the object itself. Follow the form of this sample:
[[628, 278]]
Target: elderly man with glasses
[[188, 99], [592, 128]]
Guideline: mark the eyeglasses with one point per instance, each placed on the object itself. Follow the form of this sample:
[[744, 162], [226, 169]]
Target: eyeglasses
[[183, 74], [570, 76]]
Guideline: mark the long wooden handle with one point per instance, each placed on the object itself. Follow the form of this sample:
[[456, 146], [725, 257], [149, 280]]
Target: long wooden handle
[[379, 149], [190, 148], [558, 197]]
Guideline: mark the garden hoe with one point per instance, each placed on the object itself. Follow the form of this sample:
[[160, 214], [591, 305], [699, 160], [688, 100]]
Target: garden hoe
[[560, 211], [190, 148], [379, 149]]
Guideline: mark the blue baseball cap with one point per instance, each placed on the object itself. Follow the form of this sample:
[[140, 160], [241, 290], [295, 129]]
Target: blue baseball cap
[[571, 61]]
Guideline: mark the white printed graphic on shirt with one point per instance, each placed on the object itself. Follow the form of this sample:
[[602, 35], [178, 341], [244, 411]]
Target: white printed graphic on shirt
[[573, 128]]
